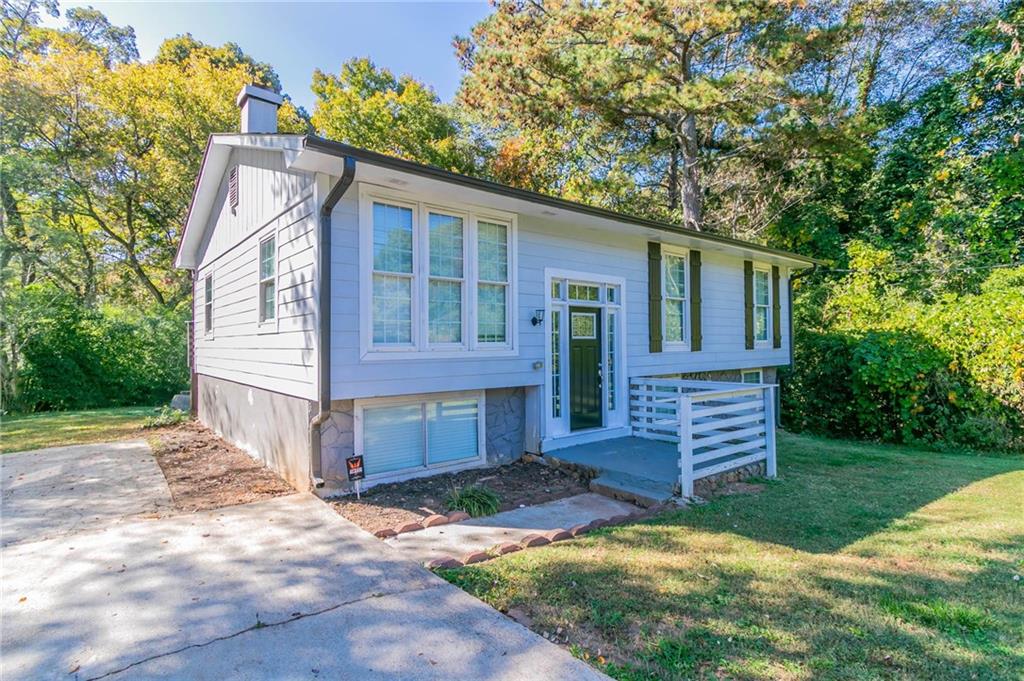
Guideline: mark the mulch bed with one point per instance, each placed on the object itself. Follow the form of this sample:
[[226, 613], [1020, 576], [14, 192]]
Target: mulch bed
[[205, 472], [517, 484]]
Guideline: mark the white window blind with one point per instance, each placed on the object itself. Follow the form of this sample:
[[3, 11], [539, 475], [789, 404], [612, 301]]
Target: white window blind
[[392, 438]]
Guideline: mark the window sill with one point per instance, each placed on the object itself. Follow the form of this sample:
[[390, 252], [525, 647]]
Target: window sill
[[378, 355], [675, 347], [266, 327]]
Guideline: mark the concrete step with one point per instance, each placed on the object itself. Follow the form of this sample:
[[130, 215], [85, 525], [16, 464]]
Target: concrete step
[[640, 491]]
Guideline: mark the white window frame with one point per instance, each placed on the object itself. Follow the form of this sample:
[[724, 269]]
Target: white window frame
[[208, 297], [556, 430], [758, 267], [424, 255], [359, 407], [421, 348], [756, 372], [268, 325], [684, 344]]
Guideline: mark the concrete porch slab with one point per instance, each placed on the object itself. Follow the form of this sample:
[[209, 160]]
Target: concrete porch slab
[[633, 456], [478, 534]]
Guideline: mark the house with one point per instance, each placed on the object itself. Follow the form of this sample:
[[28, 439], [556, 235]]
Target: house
[[351, 302]]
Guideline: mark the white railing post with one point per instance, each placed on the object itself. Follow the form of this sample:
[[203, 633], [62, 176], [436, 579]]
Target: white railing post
[[685, 414], [769, 430]]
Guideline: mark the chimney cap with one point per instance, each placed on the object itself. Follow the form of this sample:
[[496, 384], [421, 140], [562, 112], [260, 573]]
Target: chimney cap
[[257, 92]]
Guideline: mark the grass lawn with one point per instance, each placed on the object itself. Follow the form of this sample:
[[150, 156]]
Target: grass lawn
[[861, 562], [53, 429]]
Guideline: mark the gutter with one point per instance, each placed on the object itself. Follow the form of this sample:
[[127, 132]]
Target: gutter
[[324, 306]]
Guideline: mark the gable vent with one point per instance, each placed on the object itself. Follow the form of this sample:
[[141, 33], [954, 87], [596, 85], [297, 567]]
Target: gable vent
[[233, 188]]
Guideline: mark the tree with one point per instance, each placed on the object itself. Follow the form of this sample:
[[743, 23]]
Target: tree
[[683, 85], [106, 150], [371, 108]]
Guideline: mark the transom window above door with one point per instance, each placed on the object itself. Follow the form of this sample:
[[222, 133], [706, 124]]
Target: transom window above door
[[440, 278]]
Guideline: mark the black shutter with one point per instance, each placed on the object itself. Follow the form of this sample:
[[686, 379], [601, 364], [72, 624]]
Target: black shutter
[[776, 310], [748, 301], [654, 294], [695, 329]]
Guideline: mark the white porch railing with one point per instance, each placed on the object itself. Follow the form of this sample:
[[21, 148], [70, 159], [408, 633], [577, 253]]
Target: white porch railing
[[719, 426]]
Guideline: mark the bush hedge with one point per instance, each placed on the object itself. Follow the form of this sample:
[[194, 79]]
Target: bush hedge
[[877, 365], [79, 358]]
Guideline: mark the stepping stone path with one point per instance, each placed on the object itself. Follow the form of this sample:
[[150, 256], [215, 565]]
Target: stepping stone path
[[456, 540]]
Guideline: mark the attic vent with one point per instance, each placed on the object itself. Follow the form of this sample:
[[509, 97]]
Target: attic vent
[[233, 188]]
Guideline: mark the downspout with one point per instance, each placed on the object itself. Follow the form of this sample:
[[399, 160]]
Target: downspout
[[324, 306]]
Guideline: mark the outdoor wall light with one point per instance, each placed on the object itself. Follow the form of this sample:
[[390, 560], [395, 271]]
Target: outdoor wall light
[[538, 317]]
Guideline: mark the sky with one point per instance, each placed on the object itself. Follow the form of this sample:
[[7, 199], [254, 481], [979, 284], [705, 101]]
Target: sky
[[411, 38]]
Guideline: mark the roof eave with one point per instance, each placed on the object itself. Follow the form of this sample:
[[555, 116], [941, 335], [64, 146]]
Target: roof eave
[[320, 144]]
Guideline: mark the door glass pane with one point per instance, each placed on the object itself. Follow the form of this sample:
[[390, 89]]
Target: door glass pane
[[492, 251], [392, 309], [491, 312], [584, 325], [556, 363], [392, 438], [445, 311], [445, 246], [392, 238], [452, 431], [584, 292], [609, 361]]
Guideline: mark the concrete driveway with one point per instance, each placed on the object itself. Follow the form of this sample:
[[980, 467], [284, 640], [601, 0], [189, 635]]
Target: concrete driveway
[[60, 490], [280, 589]]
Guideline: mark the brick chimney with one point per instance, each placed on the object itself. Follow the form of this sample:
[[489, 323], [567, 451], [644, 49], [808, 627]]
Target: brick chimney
[[259, 109]]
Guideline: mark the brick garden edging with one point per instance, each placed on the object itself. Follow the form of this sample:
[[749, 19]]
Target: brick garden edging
[[534, 540], [429, 521]]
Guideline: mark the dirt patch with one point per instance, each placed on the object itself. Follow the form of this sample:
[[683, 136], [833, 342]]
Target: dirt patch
[[205, 472], [517, 484], [732, 488]]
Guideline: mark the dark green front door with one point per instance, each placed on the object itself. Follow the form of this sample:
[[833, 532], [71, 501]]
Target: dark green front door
[[584, 368]]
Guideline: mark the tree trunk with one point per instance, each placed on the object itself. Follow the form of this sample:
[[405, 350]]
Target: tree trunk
[[689, 180]]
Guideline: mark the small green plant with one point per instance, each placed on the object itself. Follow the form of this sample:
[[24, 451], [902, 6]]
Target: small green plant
[[475, 500], [167, 416]]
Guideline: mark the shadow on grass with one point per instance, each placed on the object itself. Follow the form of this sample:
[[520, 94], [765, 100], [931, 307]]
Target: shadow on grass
[[831, 494]]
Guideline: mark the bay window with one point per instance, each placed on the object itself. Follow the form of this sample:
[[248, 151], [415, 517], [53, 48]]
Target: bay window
[[442, 278]]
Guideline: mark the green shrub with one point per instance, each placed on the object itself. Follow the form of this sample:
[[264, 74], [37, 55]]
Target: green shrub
[[475, 500], [75, 357], [167, 416], [871, 362]]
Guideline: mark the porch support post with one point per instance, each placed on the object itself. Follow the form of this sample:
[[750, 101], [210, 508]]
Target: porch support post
[[768, 394], [685, 411]]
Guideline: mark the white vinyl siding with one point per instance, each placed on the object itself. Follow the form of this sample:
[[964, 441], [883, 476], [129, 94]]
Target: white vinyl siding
[[762, 306], [674, 307], [537, 243], [430, 431], [279, 203]]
